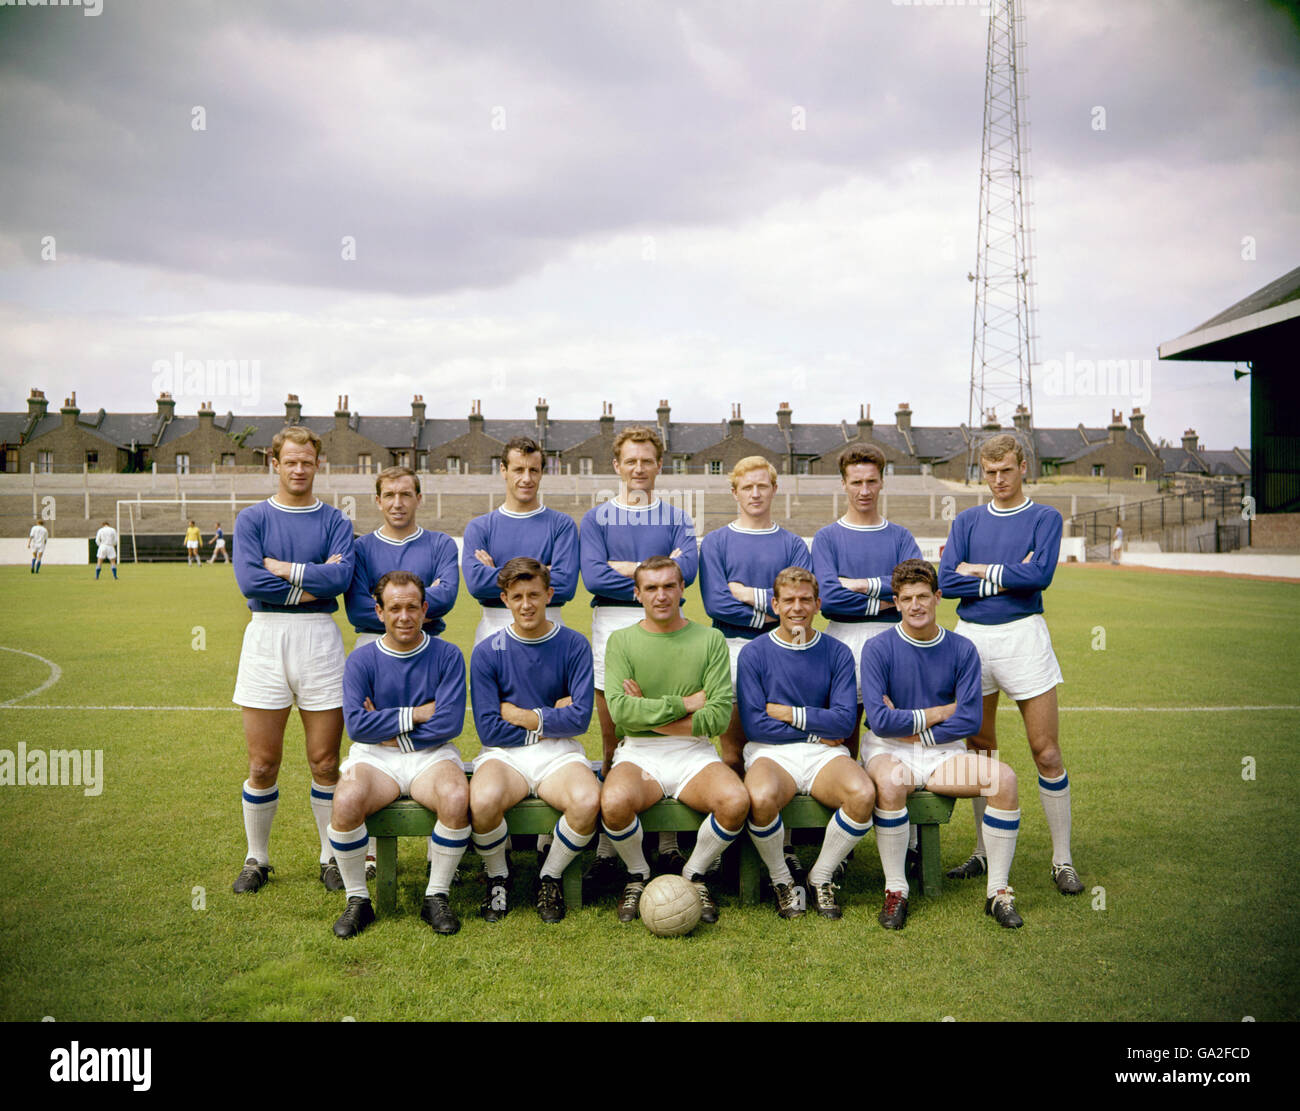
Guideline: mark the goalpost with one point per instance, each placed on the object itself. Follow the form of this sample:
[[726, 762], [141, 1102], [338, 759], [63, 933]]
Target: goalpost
[[137, 504]]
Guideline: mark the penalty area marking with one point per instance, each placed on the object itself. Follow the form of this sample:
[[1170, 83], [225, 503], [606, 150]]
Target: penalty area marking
[[56, 673]]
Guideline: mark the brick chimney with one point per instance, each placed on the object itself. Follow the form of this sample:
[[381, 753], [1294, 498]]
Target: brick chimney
[[1021, 419], [663, 415], [607, 419], [1137, 421], [206, 415], [1116, 426], [166, 406], [903, 417], [865, 423], [476, 417], [736, 425], [36, 404], [70, 411], [991, 422], [417, 410], [784, 416], [543, 421], [292, 410], [341, 413], [1190, 440]]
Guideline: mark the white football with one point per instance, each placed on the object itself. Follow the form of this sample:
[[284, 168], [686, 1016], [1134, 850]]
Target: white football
[[670, 906]]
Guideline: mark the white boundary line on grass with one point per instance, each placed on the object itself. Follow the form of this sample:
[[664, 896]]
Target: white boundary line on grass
[[1064, 709], [56, 673]]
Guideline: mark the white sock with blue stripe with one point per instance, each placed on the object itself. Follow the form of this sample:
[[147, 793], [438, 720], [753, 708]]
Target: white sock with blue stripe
[[446, 846], [348, 847], [891, 843], [1055, 796], [565, 847], [711, 839], [322, 805], [771, 849], [1001, 828], [629, 843], [842, 833], [491, 846], [260, 804]]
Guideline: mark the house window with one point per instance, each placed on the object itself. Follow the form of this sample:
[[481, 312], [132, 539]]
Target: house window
[[45, 462], [889, 469], [227, 458], [1049, 469], [715, 466], [11, 460], [92, 460], [552, 464], [402, 459], [182, 463], [584, 465], [679, 464], [1099, 470], [363, 464], [422, 461], [801, 466], [1140, 471], [495, 468], [453, 464]]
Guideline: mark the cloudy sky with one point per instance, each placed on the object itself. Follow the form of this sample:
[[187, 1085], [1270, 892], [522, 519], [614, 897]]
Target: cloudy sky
[[750, 201]]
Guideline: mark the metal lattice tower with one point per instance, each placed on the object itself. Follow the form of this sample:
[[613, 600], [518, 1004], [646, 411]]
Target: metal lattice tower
[[1002, 346]]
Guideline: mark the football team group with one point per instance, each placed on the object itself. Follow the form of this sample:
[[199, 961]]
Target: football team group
[[785, 700]]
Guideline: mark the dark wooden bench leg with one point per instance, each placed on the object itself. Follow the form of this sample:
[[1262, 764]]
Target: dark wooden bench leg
[[927, 838], [571, 882], [386, 874], [750, 866]]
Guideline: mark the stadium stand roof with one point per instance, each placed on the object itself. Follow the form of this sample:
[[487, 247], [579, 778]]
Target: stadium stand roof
[[1269, 318]]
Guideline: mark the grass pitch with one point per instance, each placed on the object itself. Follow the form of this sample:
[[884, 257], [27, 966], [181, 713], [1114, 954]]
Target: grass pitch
[[118, 906]]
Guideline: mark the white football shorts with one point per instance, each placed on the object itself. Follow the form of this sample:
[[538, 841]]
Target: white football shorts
[[605, 620], [853, 635], [290, 657], [922, 762], [1016, 657], [802, 760], [493, 619], [672, 762], [536, 761], [403, 768], [106, 552]]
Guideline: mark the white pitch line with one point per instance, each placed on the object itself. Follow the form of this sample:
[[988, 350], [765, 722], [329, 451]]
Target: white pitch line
[[56, 673], [187, 709], [1159, 709]]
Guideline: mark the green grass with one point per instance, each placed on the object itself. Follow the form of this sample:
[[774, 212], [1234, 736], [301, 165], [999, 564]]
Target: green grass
[[98, 895]]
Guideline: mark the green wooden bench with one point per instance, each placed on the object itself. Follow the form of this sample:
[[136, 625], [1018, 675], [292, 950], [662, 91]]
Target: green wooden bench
[[407, 818], [926, 811]]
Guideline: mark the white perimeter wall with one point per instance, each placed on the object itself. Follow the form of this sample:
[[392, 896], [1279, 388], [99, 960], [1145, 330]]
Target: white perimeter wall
[[1233, 563], [56, 551]]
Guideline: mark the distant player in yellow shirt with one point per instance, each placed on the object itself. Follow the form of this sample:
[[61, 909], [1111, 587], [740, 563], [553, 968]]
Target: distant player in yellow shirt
[[193, 538]]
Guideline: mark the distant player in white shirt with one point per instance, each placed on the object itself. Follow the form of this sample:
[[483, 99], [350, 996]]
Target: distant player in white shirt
[[1117, 545], [36, 540], [106, 539]]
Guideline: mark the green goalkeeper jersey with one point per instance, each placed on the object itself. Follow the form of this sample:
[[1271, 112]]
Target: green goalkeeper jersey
[[668, 667]]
